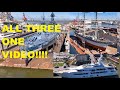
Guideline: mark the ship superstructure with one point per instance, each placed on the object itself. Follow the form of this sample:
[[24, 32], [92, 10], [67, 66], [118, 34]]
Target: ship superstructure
[[93, 70]]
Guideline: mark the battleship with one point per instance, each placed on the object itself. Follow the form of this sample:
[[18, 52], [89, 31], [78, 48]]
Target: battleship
[[36, 42], [39, 40]]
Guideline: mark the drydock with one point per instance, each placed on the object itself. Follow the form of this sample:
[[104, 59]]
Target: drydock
[[53, 45], [42, 63]]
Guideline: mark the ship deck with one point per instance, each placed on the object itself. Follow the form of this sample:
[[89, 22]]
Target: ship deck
[[102, 37], [36, 63]]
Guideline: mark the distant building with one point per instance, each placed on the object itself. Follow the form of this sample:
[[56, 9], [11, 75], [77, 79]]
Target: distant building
[[60, 55], [6, 16]]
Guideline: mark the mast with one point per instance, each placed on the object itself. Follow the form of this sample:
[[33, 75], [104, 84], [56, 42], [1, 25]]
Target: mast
[[43, 19], [52, 18], [84, 22], [77, 18], [96, 31], [83, 41]]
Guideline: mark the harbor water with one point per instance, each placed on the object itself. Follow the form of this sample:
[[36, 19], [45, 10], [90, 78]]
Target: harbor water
[[11, 72], [105, 25], [72, 49]]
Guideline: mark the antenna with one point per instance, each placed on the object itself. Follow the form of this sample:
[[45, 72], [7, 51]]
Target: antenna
[[84, 28], [100, 59]]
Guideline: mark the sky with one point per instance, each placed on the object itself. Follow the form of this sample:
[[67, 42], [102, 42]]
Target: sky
[[67, 15]]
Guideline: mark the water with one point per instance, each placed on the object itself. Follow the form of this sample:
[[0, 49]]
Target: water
[[72, 49], [104, 25], [72, 32], [11, 72]]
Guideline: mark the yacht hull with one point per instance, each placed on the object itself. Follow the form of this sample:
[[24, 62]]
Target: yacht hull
[[112, 76]]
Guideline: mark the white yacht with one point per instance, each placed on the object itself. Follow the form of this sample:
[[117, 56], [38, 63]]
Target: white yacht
[[89, 71]]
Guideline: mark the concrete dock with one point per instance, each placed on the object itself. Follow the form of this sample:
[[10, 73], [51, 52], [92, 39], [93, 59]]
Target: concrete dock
[[36, 63], [59, 43]]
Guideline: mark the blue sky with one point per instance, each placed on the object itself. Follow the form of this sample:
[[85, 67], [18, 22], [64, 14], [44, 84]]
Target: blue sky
[[67, 15]]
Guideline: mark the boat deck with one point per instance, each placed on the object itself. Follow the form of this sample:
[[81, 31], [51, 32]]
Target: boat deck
[[81, 50]]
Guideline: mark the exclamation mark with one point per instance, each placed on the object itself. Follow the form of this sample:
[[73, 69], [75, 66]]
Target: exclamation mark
[[36, 54], [43, 54], [39, 54], [46, 54]]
